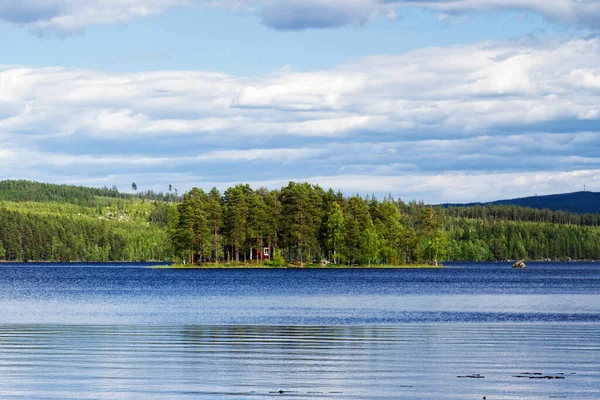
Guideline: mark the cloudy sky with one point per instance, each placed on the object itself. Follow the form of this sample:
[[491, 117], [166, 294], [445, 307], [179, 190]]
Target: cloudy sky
[[434, 100]]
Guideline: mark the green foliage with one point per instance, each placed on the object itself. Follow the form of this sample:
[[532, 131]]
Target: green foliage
[[192, 230], [277, 260], [70, 223], [369, 244], [301, 223], [306, 225], [482, 240], [511, 212], [335, 238], [48, 237], [160, 214], [215, 221], [311, 226], [22, 190], [33, 191], [235, 202]]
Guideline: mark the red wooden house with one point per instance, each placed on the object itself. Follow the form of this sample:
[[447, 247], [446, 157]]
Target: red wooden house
[[263, 254]]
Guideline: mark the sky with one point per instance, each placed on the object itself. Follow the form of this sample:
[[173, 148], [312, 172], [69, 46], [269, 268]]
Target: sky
[[432, 100]]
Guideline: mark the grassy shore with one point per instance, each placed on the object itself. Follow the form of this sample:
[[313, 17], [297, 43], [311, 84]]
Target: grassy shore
[[305, 266]]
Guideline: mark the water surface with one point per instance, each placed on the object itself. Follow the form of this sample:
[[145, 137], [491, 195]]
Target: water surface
[[125, 331]]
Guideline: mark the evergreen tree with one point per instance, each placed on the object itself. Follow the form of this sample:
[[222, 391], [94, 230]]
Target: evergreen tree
[[215, 218], [335, 233], [236, 218], [369, 244]]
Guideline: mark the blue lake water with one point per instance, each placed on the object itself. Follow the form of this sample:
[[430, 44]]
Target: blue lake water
[[125, 331]]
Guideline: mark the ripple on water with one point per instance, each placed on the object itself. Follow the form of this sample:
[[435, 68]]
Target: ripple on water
[[420, 361]]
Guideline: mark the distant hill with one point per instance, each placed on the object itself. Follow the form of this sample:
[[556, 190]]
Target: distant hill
[[23, 190], [577, 202]]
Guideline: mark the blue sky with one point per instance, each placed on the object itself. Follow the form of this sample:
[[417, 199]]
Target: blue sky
[[436, 100]]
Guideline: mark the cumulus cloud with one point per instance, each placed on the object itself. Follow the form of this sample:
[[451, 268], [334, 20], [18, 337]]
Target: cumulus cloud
[[302, 14], [69, 16], [334, 13], [485, 107], [400, 180], [72, 16], [26, 158], [455, 90], [463, 187], [447, 187]]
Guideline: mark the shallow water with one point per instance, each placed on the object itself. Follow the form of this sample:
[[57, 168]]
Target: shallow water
[[122, 331]]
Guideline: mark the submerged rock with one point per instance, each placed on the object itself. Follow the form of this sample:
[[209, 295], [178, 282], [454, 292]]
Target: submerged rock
[[538, 375]]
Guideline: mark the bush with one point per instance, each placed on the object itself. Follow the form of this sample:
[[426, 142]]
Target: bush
[[277, 261]]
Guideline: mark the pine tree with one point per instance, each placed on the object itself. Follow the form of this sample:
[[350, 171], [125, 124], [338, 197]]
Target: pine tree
[[335, 232], [215, 218], [236, 218]]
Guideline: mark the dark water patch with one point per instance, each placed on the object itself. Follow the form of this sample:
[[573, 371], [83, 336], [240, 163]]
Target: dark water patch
[[100, 295], [472, 376]]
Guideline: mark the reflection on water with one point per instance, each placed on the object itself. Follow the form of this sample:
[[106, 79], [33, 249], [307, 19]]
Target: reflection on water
[[353, 362]]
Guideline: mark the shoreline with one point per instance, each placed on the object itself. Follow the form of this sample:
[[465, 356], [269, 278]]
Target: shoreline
[[331, 266], [261, 266]]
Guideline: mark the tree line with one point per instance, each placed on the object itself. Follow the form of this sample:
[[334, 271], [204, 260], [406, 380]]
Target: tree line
[[309, 224], [301, 222], [23, 190], [492, 213], [306, 224]]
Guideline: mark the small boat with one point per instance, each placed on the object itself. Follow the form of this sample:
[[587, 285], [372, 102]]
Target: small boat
[[519, 264]]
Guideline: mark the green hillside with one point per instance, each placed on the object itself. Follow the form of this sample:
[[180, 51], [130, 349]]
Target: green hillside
[[45, 222], [22, 190]]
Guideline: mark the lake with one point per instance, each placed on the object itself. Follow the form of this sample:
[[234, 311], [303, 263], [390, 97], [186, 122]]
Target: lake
[[126, 331]]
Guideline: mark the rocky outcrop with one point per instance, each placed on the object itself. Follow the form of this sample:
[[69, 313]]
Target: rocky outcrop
[[519, 264]]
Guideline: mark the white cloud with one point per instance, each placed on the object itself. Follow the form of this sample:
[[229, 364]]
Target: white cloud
[[25, 158], [453, 186], [68, 16], [389, 123], [586, 78], [582, 13], [73, 16], [441, 170], [455, 90]]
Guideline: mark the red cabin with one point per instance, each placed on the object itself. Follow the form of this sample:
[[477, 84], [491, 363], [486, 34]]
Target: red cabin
[[263, 254]]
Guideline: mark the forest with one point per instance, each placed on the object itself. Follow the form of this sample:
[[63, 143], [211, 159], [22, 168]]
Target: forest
[[22, 190], [300, 224], [45, 222], [309, 224]]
